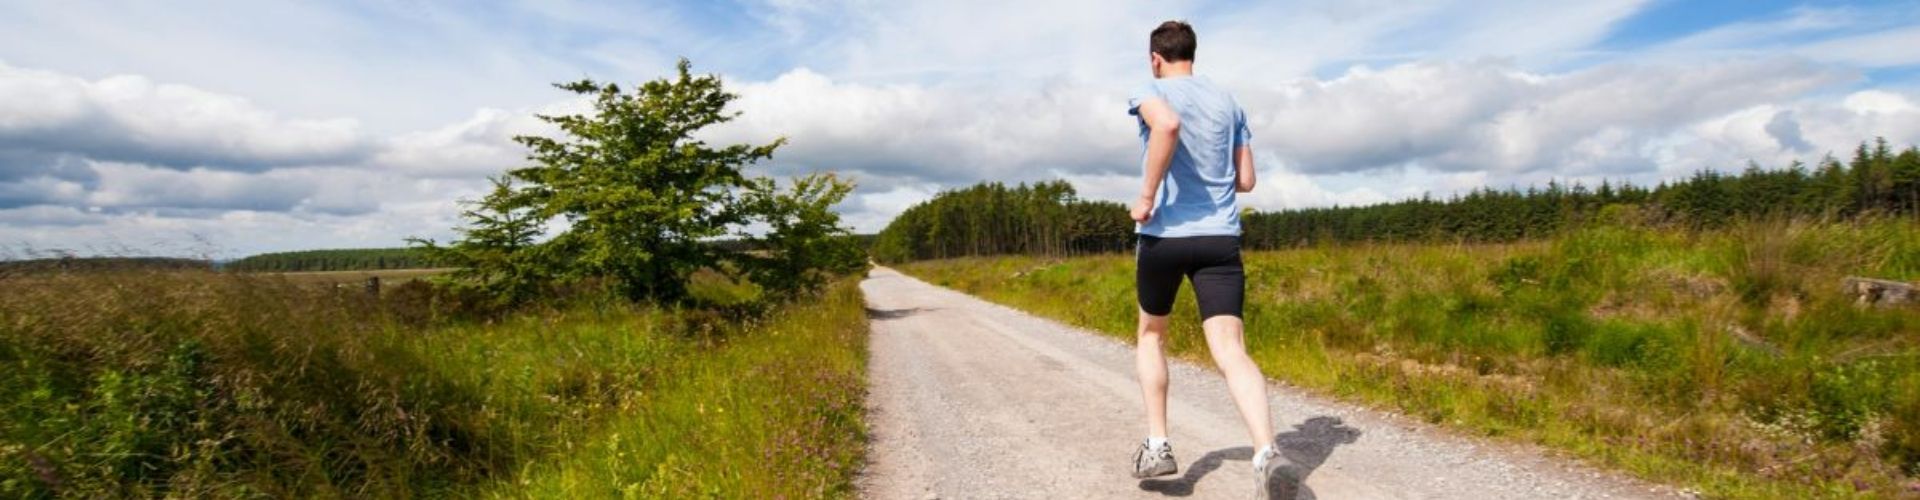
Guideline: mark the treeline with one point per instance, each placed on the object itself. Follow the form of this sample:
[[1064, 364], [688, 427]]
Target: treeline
[[1047, 219], [992, 218], [1876, 181], [353, 259]]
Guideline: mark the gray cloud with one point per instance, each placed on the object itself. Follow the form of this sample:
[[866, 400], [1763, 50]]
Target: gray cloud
[[48, 216], [132, 119], [39, 191], [21, 164], [140, 187], [116, 188], [1785, 129]]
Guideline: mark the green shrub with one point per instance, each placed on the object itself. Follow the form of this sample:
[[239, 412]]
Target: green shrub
[[1632, 345], [1565, 331], [1845, 397], [1517, 274]]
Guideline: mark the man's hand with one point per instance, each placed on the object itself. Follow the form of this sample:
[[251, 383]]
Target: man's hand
[[1142, 209]]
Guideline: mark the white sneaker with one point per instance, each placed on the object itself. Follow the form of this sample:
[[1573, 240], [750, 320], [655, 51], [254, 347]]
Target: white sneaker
[[1151, 462], [1263, 469]]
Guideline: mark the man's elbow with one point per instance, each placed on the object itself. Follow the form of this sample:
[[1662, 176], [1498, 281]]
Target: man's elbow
[[1243, 185], [1167, 128]]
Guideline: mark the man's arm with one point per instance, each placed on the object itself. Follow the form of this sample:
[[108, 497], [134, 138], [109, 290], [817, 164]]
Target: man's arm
[[1163, 134], [1243, 168]]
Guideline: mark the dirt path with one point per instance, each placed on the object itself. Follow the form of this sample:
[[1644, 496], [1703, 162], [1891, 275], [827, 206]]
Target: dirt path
[[975, 400]]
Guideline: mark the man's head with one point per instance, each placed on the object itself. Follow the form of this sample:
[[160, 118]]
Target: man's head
[[1171, 47]]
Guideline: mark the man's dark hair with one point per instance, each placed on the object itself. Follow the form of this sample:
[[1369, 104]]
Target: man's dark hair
[[1174, 41]]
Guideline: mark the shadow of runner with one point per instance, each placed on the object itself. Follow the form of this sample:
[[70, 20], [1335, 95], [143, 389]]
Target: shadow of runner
[[887, 314], [1304, 448], [1183, 485]]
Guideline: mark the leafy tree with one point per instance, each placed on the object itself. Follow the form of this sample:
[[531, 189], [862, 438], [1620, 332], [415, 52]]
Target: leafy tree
[[643, 201], [638, 192], [805, 244]]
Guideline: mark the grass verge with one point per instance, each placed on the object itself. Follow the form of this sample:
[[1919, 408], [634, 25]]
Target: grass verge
[[770, 409], [202, 384]]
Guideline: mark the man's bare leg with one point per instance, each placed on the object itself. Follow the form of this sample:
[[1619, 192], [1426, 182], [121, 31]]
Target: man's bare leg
[[1249, 388], [1150, 359]]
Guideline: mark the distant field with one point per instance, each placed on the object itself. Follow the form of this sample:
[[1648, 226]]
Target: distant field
[[387, 276], [339, 259], [1726, 361]]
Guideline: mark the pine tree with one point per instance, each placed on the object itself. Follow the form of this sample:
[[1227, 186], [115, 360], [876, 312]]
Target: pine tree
[[496, 252]]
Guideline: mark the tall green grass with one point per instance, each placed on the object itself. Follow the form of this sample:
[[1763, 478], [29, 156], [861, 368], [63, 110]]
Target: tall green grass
[[195, 384], [770, 409], [1725, 361]]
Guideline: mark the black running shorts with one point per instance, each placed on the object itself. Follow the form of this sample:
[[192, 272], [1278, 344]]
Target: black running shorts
[[1211, 262]]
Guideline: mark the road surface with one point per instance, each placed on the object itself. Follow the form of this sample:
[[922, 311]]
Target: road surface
[[974, 400]]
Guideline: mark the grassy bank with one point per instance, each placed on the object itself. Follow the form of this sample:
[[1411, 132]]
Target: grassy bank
[[192, 384], [1726, 362], [767, 409]]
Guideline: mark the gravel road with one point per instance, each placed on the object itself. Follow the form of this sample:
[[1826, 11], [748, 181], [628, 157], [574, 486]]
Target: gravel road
[[970, 399]]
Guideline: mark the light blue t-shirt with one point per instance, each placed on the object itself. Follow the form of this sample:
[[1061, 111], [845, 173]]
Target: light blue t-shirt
[[1197, 197]]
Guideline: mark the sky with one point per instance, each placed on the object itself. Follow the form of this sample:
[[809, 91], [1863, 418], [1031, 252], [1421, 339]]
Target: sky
[[225, 128]]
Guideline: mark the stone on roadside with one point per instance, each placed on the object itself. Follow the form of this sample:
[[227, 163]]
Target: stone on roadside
[[1879, 292]]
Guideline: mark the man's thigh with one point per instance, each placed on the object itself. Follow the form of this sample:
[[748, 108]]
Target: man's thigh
[[1219, 278], [1158, 270]]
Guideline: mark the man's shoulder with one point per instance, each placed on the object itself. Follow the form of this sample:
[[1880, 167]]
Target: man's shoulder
[[1145, 90]]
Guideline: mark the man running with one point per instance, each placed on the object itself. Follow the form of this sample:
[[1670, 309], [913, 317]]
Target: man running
[[1196, 160]]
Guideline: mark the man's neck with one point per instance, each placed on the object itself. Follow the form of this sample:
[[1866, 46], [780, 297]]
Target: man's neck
[[1176, 70]]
